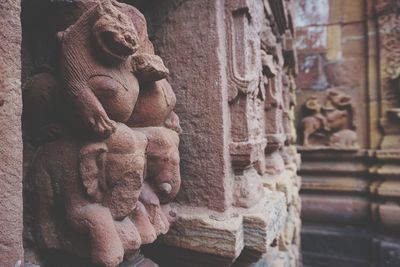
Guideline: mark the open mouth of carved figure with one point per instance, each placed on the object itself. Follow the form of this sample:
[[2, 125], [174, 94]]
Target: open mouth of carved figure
[[117, 45], [345, 100]]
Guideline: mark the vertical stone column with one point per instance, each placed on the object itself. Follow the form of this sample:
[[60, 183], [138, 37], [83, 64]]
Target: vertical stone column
[[385, 209], [238, 161], [11, 250], [198, 57]]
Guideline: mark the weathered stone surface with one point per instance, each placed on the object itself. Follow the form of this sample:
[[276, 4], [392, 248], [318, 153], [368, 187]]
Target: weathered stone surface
[[11, 250], [335, 209], [334, 184], [101, 160], [226, 235], [99, 122], [199, 231]]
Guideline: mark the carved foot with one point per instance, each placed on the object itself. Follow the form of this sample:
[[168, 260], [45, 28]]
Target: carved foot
[[110, 255], [143, 224], [128, 234], [152, 205]]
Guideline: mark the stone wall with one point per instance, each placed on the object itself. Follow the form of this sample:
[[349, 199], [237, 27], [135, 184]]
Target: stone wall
[[233, 65], [11, 251], [347, 131], [107, 99]]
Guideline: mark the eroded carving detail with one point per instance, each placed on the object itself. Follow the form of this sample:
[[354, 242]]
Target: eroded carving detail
[[108, 163], [332, 125]]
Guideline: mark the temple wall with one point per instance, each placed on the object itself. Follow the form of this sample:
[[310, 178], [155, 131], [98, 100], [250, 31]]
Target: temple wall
[[347, 90], [154, 133], [238, 130], [11, 251]]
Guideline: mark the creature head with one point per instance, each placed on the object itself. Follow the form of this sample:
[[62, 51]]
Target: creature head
[[115, 33], [337, 99], [163, 173], [112, 170], [312, 105]]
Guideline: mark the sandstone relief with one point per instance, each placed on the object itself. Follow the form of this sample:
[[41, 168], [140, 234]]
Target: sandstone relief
[[389, 41], [331, 124], [107, 159]]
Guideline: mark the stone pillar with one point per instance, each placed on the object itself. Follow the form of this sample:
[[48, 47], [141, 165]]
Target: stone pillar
[[232, 64], [11, 250], [385, 188]]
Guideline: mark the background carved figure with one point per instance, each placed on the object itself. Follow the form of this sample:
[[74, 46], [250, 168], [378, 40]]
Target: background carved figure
[[331, 125], [313, 122]]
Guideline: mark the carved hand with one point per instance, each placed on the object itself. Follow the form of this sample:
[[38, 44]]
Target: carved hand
[[94, 115]]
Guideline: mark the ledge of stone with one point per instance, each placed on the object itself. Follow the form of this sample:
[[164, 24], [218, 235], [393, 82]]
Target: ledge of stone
[[227, 234]]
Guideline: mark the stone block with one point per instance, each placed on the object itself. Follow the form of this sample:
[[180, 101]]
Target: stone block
[[333, 246], [347, 72], [334, 51], [389, 253], [334, 184], [389, 189], [335, 209], [198, 231], [226, 235], [353, 47], [353, 11], [388, 216], [336, 11], [353, 30]]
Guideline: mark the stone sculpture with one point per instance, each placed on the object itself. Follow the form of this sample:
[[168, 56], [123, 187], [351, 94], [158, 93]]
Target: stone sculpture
[[332, 124], [314, 122], [109, 157]]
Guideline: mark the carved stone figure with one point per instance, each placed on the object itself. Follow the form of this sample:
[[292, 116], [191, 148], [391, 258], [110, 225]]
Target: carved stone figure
[[344, 139], [163, 172], [333, 123], [95, 67], [96, 185], [313, 122], [109, 157], [339, 111]]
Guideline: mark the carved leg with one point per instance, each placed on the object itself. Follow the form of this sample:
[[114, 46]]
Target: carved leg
[[107, 248], [129, 235], [143, 224], [306, 136], [152, 205]]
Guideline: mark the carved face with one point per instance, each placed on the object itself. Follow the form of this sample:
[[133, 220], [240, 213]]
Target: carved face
[[339, 99], [115, 34], [163, 172], [312, 104], [112, 171]]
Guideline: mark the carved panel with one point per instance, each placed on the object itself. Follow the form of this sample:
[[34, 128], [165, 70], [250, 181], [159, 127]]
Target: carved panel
[[243, 72], [330, 124]]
